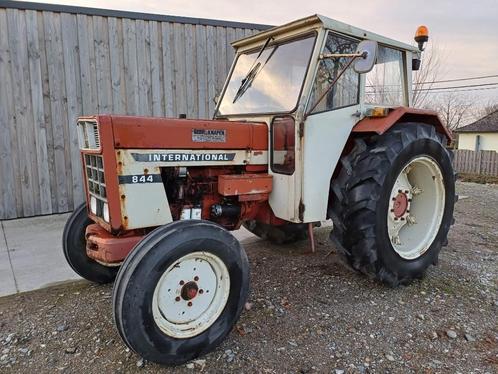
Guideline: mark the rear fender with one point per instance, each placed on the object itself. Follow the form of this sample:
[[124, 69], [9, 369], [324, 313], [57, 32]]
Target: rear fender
[[380, 125]]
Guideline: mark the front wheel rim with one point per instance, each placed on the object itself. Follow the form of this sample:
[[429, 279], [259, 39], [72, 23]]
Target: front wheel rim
[[416, 207], [191, 295]]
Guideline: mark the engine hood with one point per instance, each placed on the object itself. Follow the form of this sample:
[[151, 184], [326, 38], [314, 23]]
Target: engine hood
[[172, 133]]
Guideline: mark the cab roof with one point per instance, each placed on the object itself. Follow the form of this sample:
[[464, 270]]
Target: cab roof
[[316, 21]]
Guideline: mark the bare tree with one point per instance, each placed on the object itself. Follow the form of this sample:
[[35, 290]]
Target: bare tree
[[431, 69], [454, 109], [483, 111]]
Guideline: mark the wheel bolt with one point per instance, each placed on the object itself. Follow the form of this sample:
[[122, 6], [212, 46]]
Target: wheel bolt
[[181, 283], [196, 278], [201, 291], [177, 298], [189, 303]]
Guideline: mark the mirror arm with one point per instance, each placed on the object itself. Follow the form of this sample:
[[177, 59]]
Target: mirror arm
[[354, 57]]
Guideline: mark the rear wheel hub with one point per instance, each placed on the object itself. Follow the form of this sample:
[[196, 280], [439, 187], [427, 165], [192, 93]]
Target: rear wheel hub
[[400, 205]]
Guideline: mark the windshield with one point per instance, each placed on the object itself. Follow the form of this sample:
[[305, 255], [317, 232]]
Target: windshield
[[274, 82]]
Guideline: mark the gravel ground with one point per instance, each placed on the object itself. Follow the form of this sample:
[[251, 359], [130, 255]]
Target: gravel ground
[[309, 313]]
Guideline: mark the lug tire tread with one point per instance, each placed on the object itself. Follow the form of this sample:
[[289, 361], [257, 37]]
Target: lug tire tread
[[125, 288], [356, 190]]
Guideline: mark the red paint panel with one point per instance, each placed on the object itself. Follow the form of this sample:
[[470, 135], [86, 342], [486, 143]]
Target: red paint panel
[[104, 247], [172, 133], [107, 150], [259, 197], [380, 125], [244, 184]]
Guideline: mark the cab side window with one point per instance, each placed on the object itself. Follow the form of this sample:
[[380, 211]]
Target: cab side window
[[346, 90], [384, 84]]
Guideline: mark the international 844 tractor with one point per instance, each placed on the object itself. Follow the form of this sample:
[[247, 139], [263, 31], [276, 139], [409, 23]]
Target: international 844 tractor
[[313, 123]]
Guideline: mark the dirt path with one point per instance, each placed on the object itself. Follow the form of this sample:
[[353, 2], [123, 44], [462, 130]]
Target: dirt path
[[309, 314]]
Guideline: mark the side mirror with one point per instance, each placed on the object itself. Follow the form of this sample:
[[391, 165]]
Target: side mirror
[[367, 49]]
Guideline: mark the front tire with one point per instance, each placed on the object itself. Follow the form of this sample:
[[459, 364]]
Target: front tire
[[180, 291], [74, 248], [392, 203]]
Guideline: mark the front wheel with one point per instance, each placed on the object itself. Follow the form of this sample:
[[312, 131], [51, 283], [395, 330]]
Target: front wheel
[[74, 248], [180, 291], [392, 203]]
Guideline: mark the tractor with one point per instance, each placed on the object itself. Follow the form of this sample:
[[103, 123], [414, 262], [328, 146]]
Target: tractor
[[314, 122]]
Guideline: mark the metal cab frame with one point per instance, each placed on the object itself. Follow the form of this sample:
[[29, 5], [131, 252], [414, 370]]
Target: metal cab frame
[[320, 138]]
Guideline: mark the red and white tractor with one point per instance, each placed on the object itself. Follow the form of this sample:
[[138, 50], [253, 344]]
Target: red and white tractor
[[313, 123]]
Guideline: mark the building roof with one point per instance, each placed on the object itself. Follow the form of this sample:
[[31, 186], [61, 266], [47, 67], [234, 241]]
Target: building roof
[[24, 5], [487, 123]]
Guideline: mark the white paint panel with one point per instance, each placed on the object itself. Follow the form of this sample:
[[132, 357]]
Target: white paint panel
[[282, 197], [241, 157], [325, 135], [145, 204]]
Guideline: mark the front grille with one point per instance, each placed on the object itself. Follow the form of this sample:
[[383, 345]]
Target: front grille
[[88, 135], [94, 167]]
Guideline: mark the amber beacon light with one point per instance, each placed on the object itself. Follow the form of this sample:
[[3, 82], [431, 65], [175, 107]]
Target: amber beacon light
[[422, 36]]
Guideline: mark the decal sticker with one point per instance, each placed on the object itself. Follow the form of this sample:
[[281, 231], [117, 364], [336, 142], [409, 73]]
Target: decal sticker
[[140, 178], [209, 135], [185, 157]]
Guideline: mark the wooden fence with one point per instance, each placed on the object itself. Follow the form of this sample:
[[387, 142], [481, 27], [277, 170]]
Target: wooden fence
[[59, 62], [471, 162]]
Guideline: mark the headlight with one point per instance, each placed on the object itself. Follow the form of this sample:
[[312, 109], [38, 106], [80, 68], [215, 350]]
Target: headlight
[[106, 212], [88, 134], [93, 205]]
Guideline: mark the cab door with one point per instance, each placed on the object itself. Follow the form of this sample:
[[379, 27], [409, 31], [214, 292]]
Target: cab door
[[328, 126]]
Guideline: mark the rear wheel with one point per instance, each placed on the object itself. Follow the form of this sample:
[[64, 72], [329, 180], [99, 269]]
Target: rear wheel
[[180, 291], [281, 234], [392, 203], [74, 248]]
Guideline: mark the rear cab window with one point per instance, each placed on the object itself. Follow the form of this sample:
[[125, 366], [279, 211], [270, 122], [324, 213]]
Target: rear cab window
[[384, 85]]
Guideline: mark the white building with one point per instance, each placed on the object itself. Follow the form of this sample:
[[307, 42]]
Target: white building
[[481, 135]]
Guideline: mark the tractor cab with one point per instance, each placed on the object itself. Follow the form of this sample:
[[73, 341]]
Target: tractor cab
[[312, 81]]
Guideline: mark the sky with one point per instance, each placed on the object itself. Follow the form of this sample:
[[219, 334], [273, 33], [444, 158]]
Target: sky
[[464, 32]]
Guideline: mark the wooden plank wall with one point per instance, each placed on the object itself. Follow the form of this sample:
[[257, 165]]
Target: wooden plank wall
[[479, 163], [55, 66]]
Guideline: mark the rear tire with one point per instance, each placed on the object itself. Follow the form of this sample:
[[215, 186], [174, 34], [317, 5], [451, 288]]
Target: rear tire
[[184, 262], [74, 248], [365, 204], [281, 234]]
